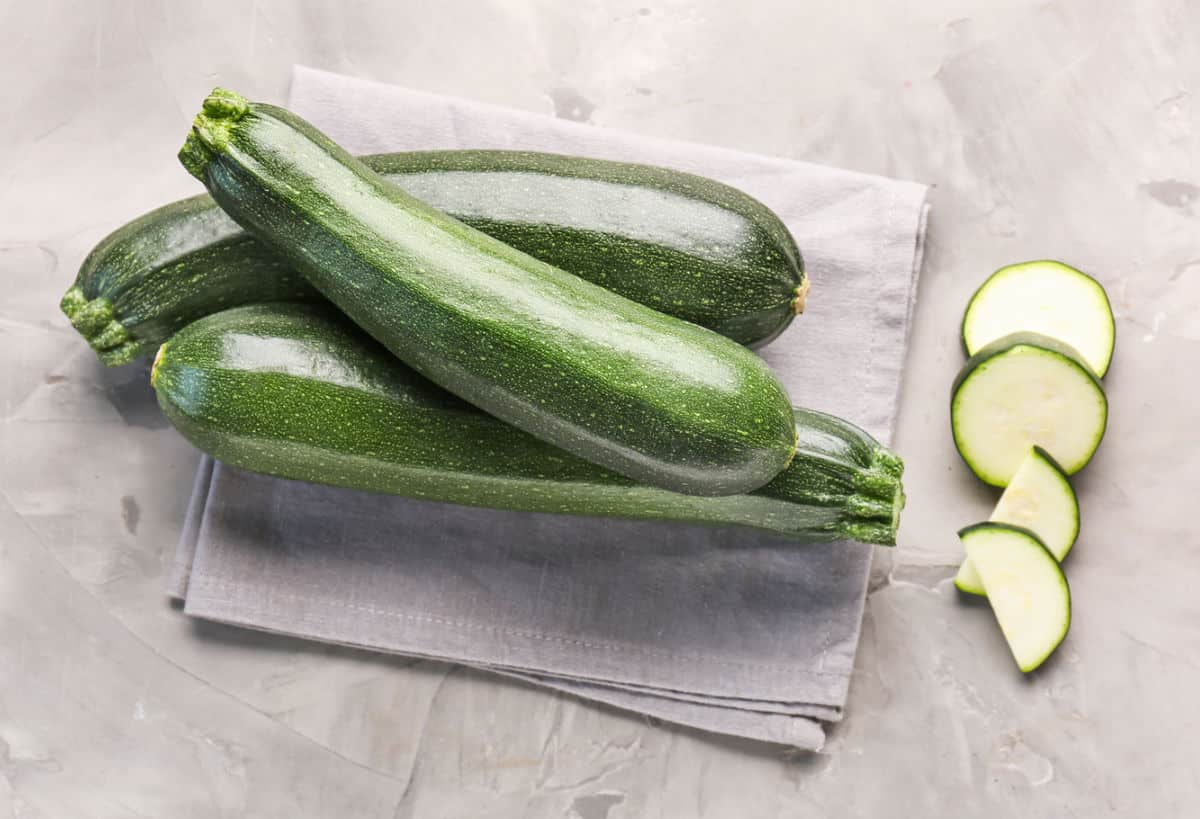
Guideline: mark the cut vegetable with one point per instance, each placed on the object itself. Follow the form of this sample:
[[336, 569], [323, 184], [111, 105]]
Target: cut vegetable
[[1039, 498], [1026, 588], [1044, 297], [968, 580], [1022, 390]]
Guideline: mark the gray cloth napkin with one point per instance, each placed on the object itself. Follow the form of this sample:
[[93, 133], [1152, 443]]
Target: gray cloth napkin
[[726, 630]]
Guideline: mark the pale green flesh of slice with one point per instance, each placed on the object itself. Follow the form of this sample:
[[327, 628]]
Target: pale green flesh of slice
[[1021, 397], [1026, 589], [1040, 499], [1047, 298]]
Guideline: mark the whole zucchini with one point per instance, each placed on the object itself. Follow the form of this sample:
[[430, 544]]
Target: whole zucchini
[[295, 390], [656, 398], [682, 244]]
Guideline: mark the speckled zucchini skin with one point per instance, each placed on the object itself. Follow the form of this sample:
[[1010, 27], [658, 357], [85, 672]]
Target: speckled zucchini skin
[[682, 244], [653, 397], [166, 268], [297, 391]]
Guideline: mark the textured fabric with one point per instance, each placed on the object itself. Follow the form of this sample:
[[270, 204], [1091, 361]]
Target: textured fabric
[[723, 629]]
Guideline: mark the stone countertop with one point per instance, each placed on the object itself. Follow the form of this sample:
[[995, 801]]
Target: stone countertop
[[1050, 129]]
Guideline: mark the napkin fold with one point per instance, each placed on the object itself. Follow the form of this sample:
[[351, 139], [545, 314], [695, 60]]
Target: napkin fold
[[726, 630]]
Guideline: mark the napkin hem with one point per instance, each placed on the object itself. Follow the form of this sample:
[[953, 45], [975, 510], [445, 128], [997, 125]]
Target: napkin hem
[[424, 617], [737, 679], [764, 683]]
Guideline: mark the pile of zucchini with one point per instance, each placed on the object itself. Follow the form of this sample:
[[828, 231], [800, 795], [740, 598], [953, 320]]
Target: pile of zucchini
[[1028, 410], [504, 329]]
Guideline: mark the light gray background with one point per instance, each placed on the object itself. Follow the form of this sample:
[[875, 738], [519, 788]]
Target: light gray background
[[1050, 129]]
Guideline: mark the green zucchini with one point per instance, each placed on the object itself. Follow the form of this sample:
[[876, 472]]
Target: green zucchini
[[653, 397], [682, 244], [295, 390]]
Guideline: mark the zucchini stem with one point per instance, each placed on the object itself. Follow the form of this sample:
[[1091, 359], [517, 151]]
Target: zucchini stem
[[872, 532], [195, 155], [888, 462], [210, 129], [800, 299], [162, 348], [225, 104], [878, 500], [877, 484], [874, 507], [95, 321]]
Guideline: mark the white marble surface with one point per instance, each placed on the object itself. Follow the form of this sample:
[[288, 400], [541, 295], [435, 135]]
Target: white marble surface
[[1063, 129]]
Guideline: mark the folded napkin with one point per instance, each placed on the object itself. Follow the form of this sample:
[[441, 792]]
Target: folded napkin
[[727, 630]]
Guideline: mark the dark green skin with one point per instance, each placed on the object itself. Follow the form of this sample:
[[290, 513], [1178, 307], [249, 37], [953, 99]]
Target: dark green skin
[[682, 244], [653, 397], [169, 267], [297, 391]]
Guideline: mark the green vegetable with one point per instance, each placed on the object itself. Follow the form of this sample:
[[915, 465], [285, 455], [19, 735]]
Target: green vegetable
[[297, 391], [1045, 297], [682, 244], [1039, 498], [1025, 586], [1022, 390], [653, 397], [169, 267]]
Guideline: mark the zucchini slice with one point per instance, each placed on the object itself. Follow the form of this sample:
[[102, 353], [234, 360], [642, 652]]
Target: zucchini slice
[[1045, 297], [1025, 586], [1039, 498], [1022, 390]]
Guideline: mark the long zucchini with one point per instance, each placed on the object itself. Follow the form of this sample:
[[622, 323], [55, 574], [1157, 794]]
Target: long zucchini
[[682, 244], [297, 391], [653, 397]]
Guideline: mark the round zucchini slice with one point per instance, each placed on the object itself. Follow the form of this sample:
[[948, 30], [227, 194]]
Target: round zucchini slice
[[1024, 390], [1045, 297]]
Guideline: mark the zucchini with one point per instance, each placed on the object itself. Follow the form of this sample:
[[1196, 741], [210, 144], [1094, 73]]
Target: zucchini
[[1039, 498], [1026, 587], [653, 397], [1022, 390], [682, 244], [1046, 297], [295, 390]]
